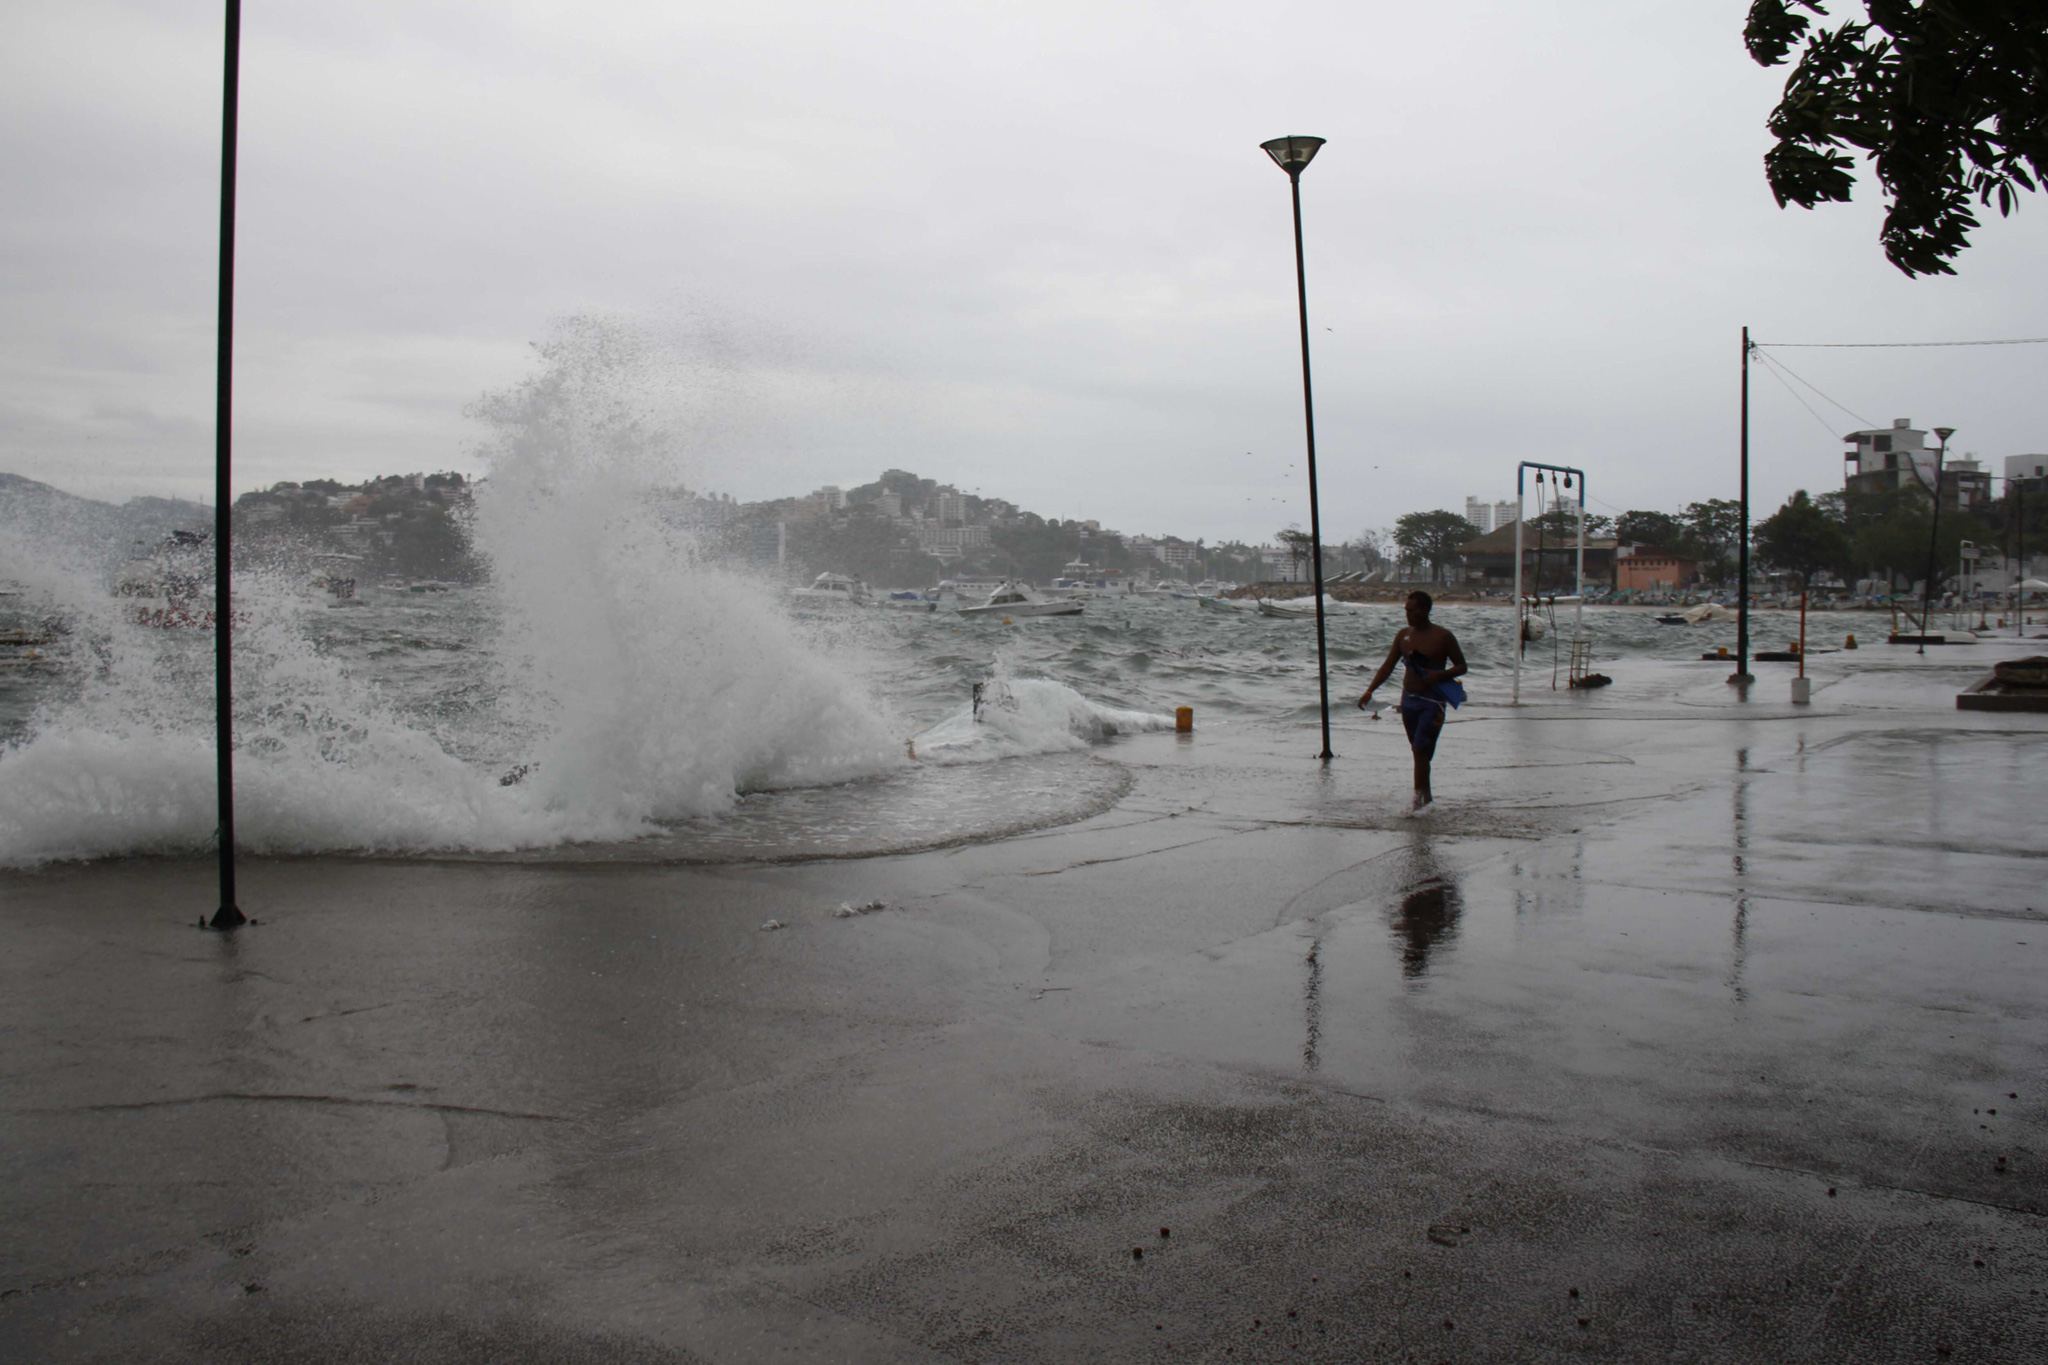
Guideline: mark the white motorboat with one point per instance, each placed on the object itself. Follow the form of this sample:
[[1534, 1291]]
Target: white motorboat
[[833, 590], [1304, 608], [1019, 599]]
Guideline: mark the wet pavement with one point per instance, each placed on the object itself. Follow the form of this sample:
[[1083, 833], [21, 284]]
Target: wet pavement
[[1686, 1028]]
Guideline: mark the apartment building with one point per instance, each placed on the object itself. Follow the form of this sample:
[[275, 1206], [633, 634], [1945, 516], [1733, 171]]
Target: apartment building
[[1489, 516]]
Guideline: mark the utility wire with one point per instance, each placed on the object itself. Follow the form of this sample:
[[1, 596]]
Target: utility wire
[[1779, 364], [1893, 345], [1772, 370]]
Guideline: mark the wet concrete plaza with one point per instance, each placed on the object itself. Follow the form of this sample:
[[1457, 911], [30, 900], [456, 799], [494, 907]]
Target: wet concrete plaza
[[1687, 1027]]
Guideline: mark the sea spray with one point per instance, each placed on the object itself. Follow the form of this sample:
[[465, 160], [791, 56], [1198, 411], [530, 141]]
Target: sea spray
[[119, 758], [629, 679], [659, 683]]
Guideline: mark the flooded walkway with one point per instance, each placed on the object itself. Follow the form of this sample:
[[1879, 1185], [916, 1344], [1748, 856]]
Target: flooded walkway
[[1688, 1026]]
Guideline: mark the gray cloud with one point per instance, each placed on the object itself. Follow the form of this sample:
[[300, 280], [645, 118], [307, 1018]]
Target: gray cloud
[[1032, 249]]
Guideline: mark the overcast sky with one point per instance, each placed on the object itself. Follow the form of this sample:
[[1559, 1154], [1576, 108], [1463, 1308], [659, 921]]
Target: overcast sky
[[1031, 248]]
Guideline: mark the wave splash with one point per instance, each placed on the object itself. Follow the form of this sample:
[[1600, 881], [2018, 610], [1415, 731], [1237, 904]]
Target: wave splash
[[631, 680], [1015, 717]]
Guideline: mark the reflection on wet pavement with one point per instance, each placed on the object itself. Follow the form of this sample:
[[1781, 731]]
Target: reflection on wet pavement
[[1427, 916]]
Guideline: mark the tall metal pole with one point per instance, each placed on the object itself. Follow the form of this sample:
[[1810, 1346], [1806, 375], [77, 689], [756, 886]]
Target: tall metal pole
[[1521, 639], [1579, 574], [1308, 410], [1933, 540], [1741, 673], [229, 915]]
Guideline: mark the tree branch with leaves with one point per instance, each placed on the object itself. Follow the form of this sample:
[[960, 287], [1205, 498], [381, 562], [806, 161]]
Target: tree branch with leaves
[[1948, 99]]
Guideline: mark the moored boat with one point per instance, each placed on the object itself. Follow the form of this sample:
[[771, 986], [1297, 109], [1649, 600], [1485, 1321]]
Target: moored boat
[[833, 590], [1019, 599]]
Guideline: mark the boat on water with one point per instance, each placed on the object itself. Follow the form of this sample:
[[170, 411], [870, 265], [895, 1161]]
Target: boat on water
[[833, 590], [1217, 603], [1020, 599], [909, 601], [1304, 608]]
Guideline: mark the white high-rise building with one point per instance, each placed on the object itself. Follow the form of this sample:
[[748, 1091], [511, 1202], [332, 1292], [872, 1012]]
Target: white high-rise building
[[1489, 516]]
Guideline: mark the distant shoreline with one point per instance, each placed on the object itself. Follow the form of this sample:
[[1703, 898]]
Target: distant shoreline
[[1391, 593]]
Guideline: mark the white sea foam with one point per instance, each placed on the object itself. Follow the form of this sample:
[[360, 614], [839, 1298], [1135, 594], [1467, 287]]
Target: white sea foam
[[1021, 716]]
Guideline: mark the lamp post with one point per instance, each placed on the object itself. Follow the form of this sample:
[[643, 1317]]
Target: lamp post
[[1741, 676], [1292, 155], [1933, 537], [229, 915]]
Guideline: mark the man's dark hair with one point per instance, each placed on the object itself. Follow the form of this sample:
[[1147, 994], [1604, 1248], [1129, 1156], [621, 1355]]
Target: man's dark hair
[[1420, 596]]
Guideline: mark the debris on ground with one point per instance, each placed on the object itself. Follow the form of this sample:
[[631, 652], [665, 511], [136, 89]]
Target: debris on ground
[[848, 911]]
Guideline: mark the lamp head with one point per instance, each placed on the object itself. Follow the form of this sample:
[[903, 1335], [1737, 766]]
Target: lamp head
[[1292, 154], [1944, 433]]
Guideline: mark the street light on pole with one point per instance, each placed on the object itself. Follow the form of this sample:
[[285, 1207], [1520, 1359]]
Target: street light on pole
[[1933, 538], [1292, 155]]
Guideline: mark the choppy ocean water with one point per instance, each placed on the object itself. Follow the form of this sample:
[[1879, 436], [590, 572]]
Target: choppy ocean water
[[687, 720]]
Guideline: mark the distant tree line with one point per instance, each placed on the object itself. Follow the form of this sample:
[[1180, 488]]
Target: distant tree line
[[1887, 534]]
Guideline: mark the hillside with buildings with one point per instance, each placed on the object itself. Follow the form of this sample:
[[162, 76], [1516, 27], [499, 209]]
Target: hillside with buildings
[[397, 526], [900, 531], [904, 530]]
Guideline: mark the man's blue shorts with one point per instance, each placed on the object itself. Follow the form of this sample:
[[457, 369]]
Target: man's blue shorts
[[1423, 719]]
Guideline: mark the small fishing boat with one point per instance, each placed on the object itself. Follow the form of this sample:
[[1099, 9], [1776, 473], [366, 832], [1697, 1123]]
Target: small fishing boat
[[1286, 613], [1216, 603], [909, 601], [1019, 599]]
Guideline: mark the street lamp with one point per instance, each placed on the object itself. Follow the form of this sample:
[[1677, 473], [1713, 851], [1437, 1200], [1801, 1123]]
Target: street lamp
[[1933, 536], [1292, 155]]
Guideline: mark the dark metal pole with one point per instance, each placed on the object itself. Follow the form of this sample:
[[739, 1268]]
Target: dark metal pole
[[1315, 521], [229, 915], [1741, 674], [1933, 539]]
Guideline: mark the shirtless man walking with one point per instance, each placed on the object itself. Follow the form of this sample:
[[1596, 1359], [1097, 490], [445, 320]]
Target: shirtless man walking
[[1429, 687]]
